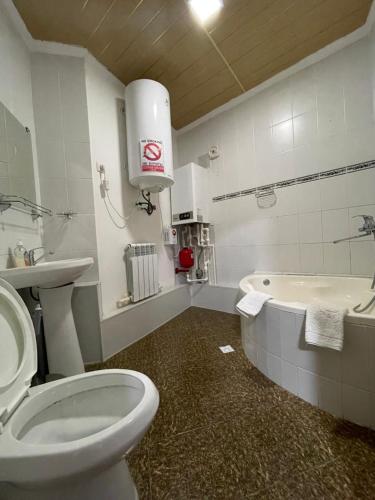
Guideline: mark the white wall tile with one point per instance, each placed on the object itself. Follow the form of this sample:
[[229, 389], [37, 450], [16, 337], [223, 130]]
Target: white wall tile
[[289, 261], [274, 368], [356, 405], [287, 227], [272, 341], [51, 159], [308, 196], [46, 96], [289, 338], [311, 256], [310, 227], [289, 375], [320, 118], [262, 364], [286, 201], [305, 128], [336, 258], [331, 115], [4, 170], [362, 256], [356, 360], [335, 224], [80, 196], [304, 92], [358, 104], [267, 257], [54, 194], [281, 102], [282, 136], [361, 187], [333, 192], [324, 362], [73, 99], [78, 161], [330, 396], [305, 160], [3, 150], [308, 386]]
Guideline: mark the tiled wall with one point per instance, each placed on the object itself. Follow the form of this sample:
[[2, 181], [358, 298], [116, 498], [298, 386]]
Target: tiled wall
[[61, 118], [342, 383], [16, 96], [105, 95], [319, 119]]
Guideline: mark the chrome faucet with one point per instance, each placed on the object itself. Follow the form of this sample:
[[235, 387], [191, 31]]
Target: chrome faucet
[[367, 228], [31, 255], [359, 308]]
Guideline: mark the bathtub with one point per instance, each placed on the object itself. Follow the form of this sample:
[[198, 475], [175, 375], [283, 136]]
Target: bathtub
[[341, 383]]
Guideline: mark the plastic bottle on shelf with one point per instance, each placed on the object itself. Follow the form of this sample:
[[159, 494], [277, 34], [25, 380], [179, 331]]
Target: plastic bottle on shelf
[[19, 255]]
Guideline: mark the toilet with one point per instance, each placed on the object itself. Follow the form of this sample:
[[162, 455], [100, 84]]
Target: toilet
[[65, 439]]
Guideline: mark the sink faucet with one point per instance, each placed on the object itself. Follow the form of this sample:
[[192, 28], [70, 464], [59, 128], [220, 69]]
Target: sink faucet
[[31, 255], [367, 228]]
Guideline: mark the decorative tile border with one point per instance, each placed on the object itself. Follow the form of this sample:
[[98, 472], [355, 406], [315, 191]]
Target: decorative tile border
[[298, 180]]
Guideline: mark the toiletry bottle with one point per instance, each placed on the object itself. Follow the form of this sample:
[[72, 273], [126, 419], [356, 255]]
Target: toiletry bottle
[[19, 255]]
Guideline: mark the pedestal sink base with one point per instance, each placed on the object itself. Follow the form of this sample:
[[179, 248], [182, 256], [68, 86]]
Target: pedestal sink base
[[55, 283], [63, 350]]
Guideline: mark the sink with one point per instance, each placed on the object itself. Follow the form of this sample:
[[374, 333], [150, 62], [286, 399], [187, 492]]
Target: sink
[[47, 274], [55, 283]]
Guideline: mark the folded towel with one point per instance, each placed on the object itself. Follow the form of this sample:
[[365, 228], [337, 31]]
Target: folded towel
[[325, 325], [251, 304]]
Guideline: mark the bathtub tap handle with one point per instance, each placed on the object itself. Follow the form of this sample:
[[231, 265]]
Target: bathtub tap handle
[[368, 223], [367, 228]]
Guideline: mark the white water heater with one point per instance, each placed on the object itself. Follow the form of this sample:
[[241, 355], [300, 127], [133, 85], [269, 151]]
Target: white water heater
[[149, 135]]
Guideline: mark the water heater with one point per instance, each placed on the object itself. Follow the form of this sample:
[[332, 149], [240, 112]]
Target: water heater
[[149, 135]]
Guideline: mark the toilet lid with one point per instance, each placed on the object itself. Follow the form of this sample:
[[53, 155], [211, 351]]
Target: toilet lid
[[18, 354]]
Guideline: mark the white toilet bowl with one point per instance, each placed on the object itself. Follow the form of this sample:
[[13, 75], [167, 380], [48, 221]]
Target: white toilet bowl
[[65, 439]]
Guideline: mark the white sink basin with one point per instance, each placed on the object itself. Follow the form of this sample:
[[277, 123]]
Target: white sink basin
[[47, 274], [63, 351]]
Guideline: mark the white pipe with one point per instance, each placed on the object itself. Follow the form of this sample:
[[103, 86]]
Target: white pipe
[[202, 280]]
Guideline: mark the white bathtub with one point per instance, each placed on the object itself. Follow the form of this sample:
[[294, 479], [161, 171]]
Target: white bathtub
[[342, 383]]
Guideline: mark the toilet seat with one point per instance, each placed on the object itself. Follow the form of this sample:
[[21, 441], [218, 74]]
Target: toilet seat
[[62, 429], [18, 354]]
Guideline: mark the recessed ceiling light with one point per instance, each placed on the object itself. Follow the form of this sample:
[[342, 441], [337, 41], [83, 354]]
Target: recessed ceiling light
[[204, 9]]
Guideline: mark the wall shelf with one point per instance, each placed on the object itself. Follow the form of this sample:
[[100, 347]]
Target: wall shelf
[[23, 205]]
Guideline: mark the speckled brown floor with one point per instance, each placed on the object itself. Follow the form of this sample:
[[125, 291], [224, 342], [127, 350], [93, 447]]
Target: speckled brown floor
[[224, 431]]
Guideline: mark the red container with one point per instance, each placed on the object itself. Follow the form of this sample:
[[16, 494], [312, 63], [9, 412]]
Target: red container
[[186, 257]]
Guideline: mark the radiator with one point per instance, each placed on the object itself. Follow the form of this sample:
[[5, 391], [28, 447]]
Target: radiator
[[142, 270]]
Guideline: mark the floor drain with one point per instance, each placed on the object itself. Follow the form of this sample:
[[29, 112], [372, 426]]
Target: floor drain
[[226, 348]]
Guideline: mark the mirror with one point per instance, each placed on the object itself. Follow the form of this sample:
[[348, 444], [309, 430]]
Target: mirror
[[17, 179], [16, 157]]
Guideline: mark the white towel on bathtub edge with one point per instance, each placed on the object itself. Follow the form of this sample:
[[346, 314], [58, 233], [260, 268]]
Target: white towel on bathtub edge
[[251, 304], [325, 325]]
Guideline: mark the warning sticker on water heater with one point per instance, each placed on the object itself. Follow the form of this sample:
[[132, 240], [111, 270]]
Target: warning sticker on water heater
[[151, 155]]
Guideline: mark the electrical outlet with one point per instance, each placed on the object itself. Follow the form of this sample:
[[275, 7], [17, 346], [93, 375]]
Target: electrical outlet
[[213, 152]]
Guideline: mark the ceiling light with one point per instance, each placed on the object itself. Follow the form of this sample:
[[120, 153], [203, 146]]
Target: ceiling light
[[204, 9]]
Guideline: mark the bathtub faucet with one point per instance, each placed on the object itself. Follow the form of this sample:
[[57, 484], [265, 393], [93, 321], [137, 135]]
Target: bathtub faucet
[[367, 228]]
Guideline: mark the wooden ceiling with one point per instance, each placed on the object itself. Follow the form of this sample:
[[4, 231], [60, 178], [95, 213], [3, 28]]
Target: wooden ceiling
[[202, 67]]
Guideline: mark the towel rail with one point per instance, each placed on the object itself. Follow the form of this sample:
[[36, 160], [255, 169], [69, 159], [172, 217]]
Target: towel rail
[[10, 201]]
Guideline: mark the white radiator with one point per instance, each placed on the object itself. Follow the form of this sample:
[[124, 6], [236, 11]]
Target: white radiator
[[142, 270]]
